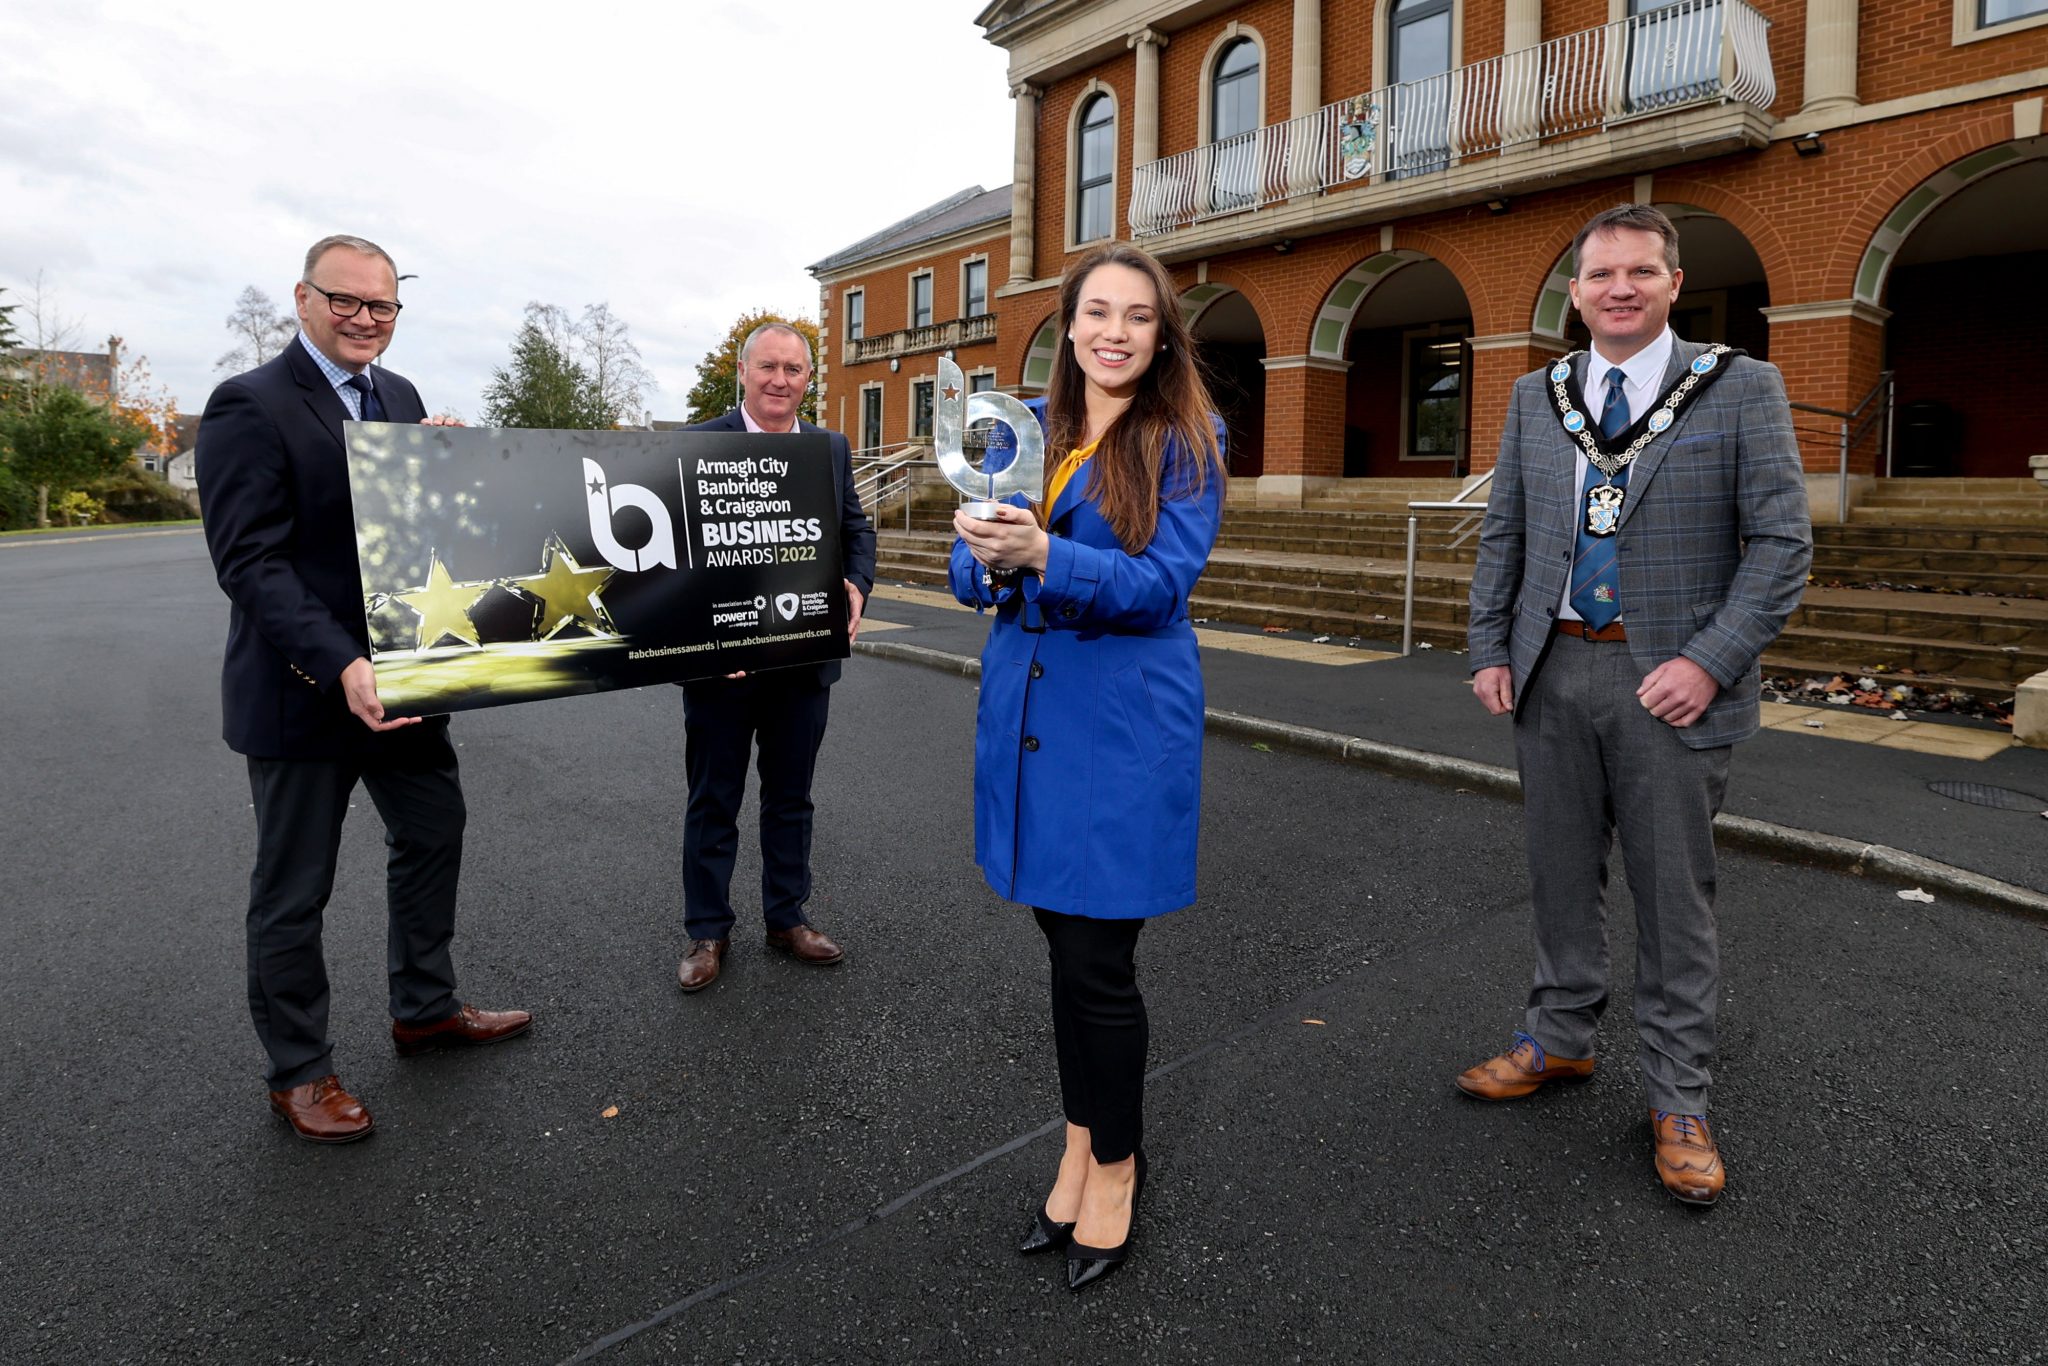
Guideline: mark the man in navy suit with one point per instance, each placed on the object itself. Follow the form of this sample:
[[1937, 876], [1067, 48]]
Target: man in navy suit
[[299, 698], [781, 710]]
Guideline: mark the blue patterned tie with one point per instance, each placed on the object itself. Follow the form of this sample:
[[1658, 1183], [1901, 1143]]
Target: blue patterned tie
[[1596, 578], [373, 407]]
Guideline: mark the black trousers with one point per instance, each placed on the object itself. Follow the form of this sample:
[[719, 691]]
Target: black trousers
[[784, 712], [1099, 1028], [300, 805]]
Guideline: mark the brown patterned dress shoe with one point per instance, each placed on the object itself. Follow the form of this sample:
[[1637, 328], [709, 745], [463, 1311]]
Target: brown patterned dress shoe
[[806, 945], [466, 1028], [1520, 1071], [699, 968], [1688, 1159], [321, 1112]]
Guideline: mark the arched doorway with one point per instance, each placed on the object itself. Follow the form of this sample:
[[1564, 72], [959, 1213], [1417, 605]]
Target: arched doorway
[[1233, 348], [1403, 321], [1962, 264]]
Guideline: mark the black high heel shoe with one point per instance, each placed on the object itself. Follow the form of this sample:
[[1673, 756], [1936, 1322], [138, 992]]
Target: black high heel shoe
[[1045, 1234], [1087, 1265]]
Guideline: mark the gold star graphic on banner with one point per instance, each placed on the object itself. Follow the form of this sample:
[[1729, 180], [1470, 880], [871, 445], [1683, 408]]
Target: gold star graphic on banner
[[443, 606], [566, 592]]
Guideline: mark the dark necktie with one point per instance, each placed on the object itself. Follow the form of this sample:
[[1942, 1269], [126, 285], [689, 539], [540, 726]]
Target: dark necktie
[[1596, 577], [373, 407]]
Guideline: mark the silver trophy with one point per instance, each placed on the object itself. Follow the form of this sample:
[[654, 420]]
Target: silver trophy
[[953, 411]]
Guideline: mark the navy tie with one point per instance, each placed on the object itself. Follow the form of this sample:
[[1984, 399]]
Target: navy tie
[[1596, 577], [373, 407]]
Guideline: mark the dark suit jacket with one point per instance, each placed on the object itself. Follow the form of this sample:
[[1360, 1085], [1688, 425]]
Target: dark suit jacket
[[1714, 541], [273, 488], [856, 533]]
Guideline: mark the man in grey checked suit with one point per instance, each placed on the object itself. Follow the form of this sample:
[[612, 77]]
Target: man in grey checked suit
[[1618, 613]]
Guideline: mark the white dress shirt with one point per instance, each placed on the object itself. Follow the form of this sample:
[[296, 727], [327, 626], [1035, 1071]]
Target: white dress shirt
[[1642, 385]]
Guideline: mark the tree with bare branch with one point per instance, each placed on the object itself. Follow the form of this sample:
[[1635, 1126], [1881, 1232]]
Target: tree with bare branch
[[259, 330]]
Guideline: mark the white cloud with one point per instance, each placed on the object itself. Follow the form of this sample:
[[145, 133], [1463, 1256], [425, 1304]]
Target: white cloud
[[682, 162]]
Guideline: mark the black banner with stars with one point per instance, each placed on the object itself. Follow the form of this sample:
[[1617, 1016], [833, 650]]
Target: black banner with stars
[[506, 566]]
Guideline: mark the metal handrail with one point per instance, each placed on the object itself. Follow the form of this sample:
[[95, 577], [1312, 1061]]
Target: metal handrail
[[1848, 438], [885, 478], [1457, 504]]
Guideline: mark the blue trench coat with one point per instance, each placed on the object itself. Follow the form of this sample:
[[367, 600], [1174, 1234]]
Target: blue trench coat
[[1088, 744]]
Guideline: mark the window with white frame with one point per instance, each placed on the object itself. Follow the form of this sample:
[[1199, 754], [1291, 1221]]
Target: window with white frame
[[1234, 124], [1433, 376], [921, 408], [1419, 97], [1095, 186], [974, 288], [856, 314], [1977, 19], [1674, 52], [921, 299]]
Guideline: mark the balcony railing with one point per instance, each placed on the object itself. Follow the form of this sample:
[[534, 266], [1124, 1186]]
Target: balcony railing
[[931, 337], [1699, 52]]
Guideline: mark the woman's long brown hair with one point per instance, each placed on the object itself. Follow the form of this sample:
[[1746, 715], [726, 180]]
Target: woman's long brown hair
[[1172, 404]]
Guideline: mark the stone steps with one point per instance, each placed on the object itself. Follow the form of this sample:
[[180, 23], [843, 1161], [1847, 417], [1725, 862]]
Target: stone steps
[[1341, 574]]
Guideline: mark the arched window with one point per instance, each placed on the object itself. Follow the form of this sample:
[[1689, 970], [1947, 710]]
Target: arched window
[[1234, 117], [1418, 69], [1096, 185], [1234, 91]]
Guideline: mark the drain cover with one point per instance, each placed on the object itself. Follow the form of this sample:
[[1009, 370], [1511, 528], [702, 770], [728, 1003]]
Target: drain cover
[[1998, 798]]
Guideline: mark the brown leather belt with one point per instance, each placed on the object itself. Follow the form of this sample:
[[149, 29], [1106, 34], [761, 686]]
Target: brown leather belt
[[1612, 631]]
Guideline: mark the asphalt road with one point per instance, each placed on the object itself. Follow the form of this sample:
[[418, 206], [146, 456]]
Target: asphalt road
[[831, 1165]]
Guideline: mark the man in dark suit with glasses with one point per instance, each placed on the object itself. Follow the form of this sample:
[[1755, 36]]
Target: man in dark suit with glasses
[[300, 700]]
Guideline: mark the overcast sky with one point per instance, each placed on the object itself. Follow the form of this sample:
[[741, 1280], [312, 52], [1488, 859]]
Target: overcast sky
[[681, 161]]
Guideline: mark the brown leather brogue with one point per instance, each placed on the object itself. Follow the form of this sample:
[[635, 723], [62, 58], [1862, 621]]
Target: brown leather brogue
[[321, 1112], [466, 1028], [806, 945], [1520, 1071], [1688, 1159], [699, 968]]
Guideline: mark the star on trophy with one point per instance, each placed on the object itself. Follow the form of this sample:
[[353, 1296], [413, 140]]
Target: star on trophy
[[954, 410]]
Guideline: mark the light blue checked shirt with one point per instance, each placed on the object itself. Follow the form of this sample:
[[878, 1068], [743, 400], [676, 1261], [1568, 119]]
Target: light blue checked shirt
[[351, 398]]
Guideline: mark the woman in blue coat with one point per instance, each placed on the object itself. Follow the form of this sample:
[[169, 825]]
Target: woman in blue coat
[[1088, 747]]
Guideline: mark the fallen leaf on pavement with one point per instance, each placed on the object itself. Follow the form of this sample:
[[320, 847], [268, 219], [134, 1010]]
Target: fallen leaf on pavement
[[1914, 894], [1313, 1022], [610, 1112], [1262, 747]]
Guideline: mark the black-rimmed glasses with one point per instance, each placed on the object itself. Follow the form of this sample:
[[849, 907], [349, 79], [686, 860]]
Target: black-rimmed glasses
[[348, 305]]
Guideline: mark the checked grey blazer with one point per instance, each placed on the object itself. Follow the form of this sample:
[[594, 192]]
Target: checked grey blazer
[[1713, 544]]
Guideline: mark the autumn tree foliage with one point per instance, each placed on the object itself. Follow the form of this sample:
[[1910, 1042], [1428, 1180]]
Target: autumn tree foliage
[[717, 388]]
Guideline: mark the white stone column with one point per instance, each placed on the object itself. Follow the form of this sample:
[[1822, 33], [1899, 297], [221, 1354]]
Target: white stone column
[[1146, 42], [1524, 22], [1023, 195], [1306, 92], [1830, 56], [1521, 95]]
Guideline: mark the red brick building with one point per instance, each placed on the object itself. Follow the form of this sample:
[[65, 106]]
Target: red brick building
[[1369, 206], [891, 304]]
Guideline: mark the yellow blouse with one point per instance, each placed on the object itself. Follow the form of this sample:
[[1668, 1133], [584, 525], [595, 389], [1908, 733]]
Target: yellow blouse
[[1064, 472]]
